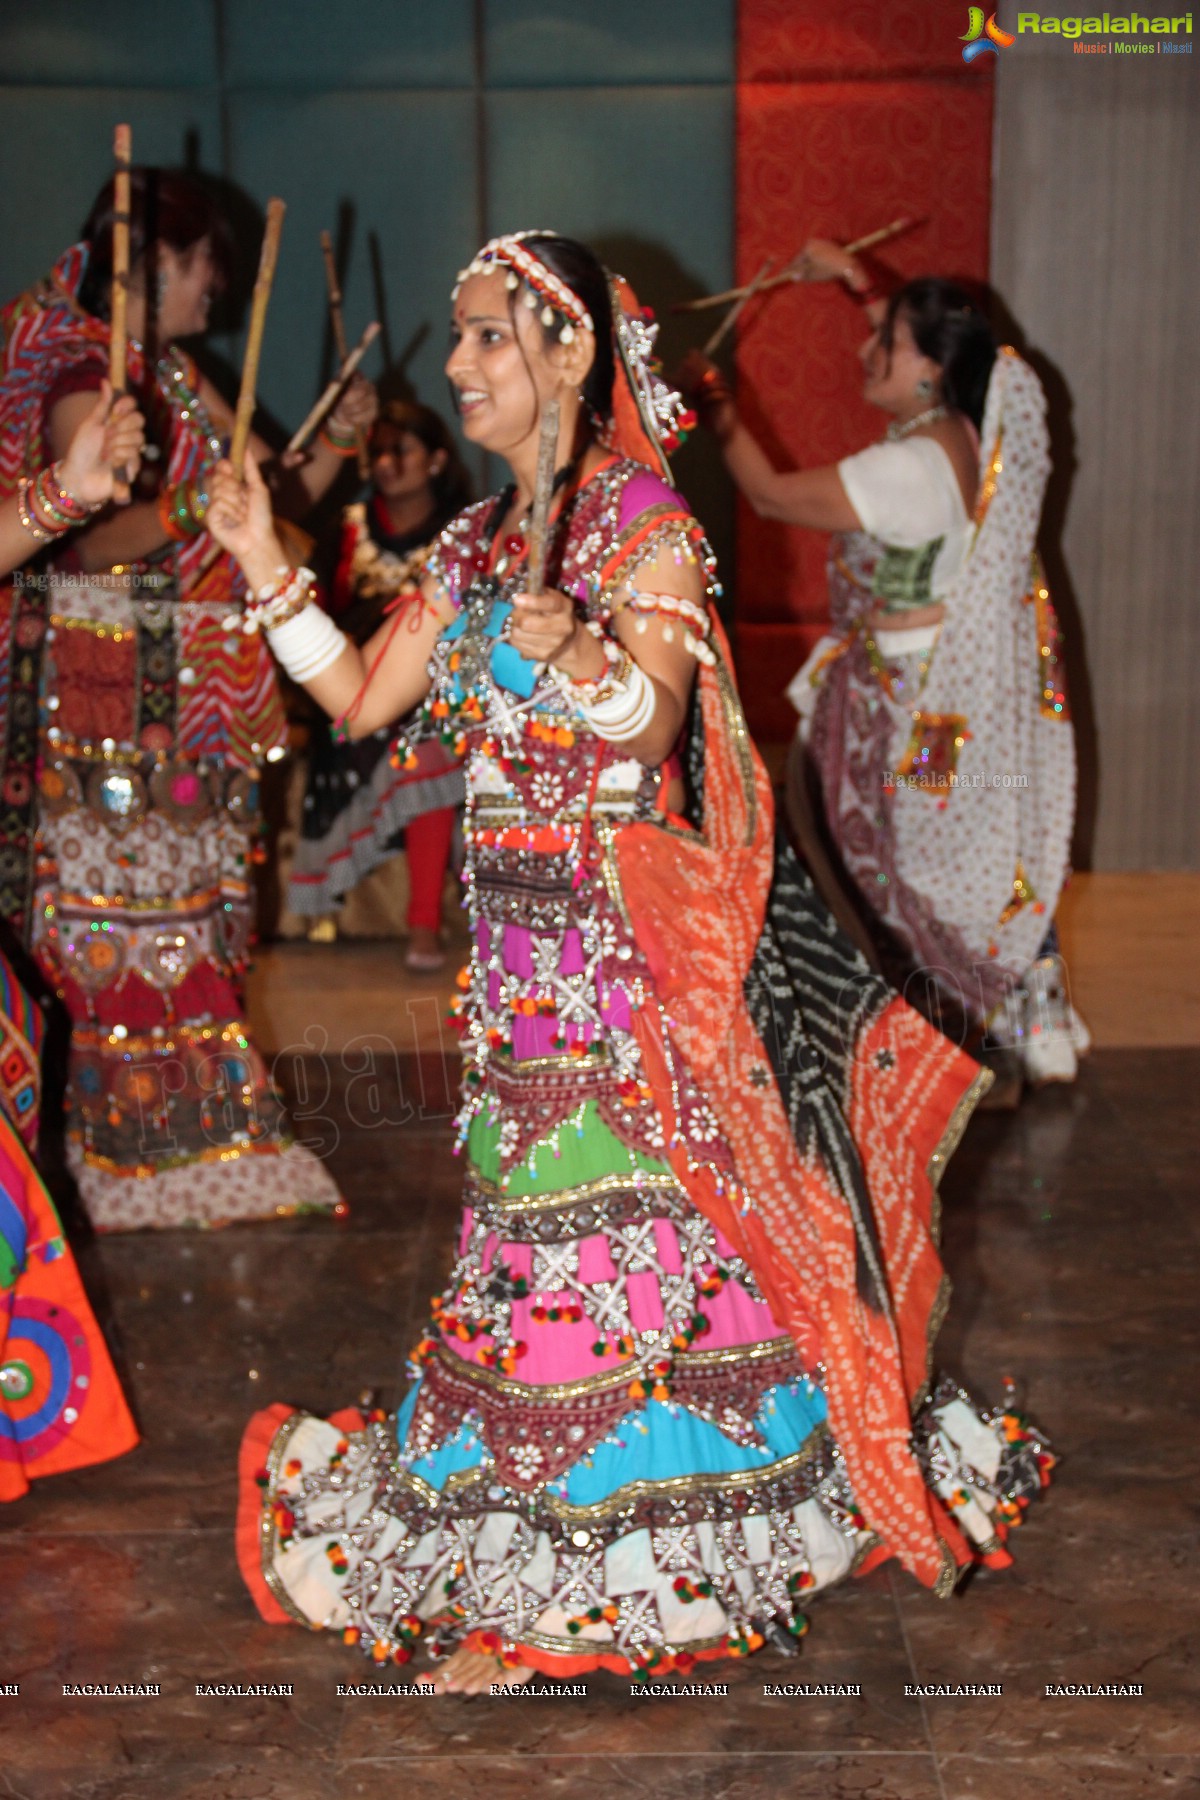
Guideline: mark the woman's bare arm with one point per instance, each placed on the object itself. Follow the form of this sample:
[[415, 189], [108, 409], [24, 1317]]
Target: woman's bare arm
[[369, 687], [814, 498], [384, 680]]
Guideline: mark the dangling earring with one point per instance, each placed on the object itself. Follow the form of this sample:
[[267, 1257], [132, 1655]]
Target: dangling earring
[[601, 427], [160, 289], [925, 388]]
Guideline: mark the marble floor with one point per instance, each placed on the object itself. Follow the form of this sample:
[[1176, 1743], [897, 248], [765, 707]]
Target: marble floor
[[1130, 942], [1071, 1231]]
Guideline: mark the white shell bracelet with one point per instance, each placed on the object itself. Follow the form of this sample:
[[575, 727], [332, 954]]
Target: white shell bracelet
[[626, 713], [674, 610], [276, 601]]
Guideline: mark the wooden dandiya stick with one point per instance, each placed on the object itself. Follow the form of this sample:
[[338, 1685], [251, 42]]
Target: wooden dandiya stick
[[328, 399], [244, 417], [882, 235], [543, 495], [543, 499], [792, 273], [118, 334], [731, 317], [339, 340]]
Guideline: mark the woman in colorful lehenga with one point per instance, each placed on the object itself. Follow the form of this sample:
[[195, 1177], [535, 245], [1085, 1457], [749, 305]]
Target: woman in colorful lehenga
[[678, 1379], [61, 1406], [135, 729], [357, 806]]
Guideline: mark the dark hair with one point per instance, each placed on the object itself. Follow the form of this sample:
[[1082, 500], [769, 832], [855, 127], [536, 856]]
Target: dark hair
[[451, 485], [949, 328], [584, 274], [165, 207]]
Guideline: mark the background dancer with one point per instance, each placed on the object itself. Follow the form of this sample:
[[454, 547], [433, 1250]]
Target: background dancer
[[140, 807], [357, 808], [936, 714]]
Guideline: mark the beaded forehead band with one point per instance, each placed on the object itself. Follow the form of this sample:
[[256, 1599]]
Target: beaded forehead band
[[649, 418], [542, 286]]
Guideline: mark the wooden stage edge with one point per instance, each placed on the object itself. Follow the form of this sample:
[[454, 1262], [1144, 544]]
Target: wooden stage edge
[[1131, 943]]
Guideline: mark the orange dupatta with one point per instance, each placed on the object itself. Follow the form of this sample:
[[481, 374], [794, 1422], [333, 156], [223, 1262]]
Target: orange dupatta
[[697, 904]]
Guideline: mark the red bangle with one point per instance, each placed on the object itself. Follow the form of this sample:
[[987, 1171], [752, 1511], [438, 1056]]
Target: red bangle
[[865, 296], [712, 390], [339, 446], [172, 512]]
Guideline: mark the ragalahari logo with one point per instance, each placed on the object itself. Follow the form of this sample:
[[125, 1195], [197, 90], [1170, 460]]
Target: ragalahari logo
[[979, 36]]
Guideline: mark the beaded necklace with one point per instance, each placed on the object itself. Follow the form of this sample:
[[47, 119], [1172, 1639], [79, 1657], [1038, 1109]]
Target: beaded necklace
[[897, 432], [491, 686]]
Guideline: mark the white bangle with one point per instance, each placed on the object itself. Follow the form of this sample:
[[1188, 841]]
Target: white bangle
[[307, 644], [625, 714]]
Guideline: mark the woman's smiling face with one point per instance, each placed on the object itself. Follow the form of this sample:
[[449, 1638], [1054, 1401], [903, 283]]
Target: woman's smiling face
[[500, 365]]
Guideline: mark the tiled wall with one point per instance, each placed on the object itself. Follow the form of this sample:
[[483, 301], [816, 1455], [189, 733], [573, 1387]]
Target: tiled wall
[[431, 121]]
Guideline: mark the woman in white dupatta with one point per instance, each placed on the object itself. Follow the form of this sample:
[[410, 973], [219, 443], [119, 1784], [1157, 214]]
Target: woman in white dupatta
[[935, 714]]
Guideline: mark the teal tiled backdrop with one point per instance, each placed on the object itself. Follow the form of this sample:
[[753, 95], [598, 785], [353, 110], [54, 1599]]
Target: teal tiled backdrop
[[421, 123]]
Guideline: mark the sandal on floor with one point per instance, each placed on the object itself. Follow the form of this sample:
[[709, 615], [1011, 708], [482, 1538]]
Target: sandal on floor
[[424, 959]]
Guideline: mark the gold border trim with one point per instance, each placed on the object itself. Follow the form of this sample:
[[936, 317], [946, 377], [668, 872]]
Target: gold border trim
[[484, 1193], [601, 1382], [957, 1123], [512, 1068], [947, 1144], [696, 1361], [735, 719], [706, 1482], [633, 1491], [276, 1144], [267, 1535]]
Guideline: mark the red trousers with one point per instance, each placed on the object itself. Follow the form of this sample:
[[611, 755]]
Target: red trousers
[[427, 840]]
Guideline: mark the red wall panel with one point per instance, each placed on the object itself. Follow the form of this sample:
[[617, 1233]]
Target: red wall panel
[[808, 40], [847, 117]]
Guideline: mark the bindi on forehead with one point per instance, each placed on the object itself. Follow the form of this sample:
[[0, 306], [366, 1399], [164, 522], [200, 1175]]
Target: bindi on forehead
[[474, 305]]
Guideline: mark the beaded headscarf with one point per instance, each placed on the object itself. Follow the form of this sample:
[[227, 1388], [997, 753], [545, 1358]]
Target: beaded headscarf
[[649, 418]]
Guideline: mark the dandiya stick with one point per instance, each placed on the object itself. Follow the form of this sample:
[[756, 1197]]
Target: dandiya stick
[[244, 417], [543, 499], [792, 273], [543, 495], [882, 235], [118, 336], [339, 340], [731, 317], [328, 399]]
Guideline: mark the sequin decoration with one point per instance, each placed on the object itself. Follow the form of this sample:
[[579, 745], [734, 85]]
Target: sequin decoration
[[931, 758], [1053, 693], [1022, 895]]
